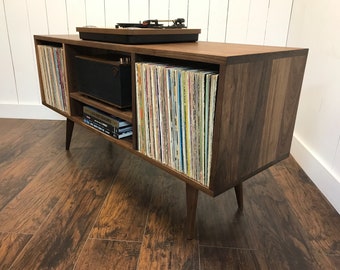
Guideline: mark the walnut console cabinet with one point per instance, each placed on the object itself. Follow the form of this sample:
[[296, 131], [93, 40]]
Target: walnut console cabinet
[[256, 101]]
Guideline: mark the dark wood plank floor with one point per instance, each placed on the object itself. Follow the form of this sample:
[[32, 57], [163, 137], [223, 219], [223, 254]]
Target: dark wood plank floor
[[98, 207]]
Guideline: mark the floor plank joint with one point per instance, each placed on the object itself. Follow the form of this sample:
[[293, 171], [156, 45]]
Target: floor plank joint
[[97, 207]]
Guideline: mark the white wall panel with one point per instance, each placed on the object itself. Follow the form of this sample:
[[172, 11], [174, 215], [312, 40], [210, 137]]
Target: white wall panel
[[257, 22], [278, 22], [179, 9], [237, 25], [116, 11], [318, 120], [23, 58], [198, 17], [159, 9], [218, 12], [76, 15], [7, 83], [37, 17], [38, 25], [56, 15], [95, 13], [139, 10]]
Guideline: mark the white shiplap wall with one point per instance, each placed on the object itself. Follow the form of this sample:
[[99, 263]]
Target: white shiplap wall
[[267, 22], [246, 21], [316, 144]]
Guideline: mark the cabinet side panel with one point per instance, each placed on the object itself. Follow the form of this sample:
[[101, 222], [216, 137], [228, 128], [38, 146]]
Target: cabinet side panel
[[243, 111], [294, 85], [259, 101], [277, 92]]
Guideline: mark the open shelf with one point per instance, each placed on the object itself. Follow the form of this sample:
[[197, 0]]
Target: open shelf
[[125, 142], [125, 114]]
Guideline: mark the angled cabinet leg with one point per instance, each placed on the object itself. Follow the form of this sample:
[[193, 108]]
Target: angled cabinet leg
[[239, 195], [69, 131], [192, 196]]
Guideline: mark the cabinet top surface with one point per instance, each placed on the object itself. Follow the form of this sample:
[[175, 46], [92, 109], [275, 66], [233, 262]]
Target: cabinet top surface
[[215, 51]]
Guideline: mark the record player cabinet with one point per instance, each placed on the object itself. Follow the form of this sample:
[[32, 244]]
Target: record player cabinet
[[256, 103]]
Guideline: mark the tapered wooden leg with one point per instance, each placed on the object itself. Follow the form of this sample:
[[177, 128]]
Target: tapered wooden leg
[[239, 195], [69, 131], [192, 196]]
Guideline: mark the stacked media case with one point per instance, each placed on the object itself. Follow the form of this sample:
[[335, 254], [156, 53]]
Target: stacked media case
[[175, 116], [106, 123]]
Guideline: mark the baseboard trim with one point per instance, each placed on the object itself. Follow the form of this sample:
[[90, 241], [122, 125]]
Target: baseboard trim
[[326, 181], [28, 111]]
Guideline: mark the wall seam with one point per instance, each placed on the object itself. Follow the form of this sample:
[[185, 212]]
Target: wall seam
[[46, 13], [226, 23], [85, 15], [208, 22], [67, 21], [265, 29], [11, 53], [105, 12], [290, 19]]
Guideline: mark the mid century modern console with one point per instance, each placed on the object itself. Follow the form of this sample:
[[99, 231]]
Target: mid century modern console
[[257, 97]]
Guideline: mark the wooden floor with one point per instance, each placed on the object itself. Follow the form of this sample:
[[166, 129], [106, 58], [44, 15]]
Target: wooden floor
[[98, 207]]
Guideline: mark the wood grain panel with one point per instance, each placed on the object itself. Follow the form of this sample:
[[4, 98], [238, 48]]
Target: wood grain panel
[[164, 244], [49, 181], [32, 142], [123, 215], [220, 224], [15, 176], [11, 245], [255, 119], [25, 148], [60, 240], [28, 209], [304, 198], [286, 223], [274, 110], [291, 102], [228, 258], [9, 126], [278, 231], [335, 260], [105, 254], [254, 111], [240, 123]]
